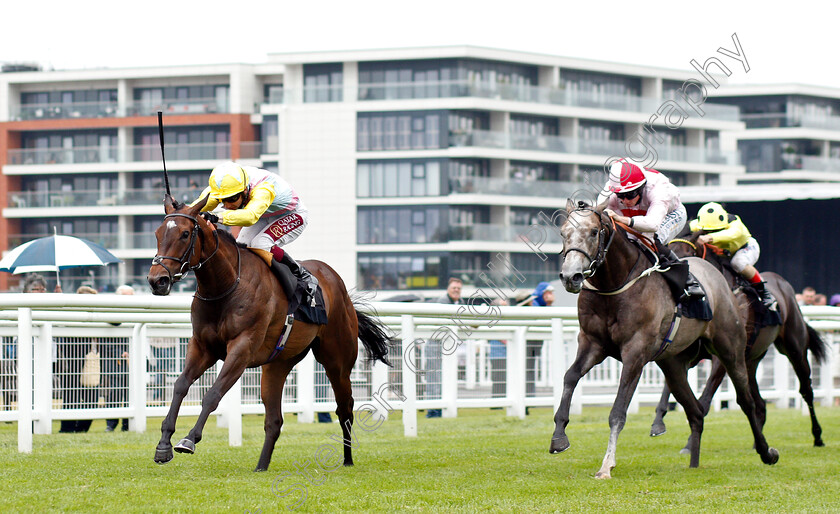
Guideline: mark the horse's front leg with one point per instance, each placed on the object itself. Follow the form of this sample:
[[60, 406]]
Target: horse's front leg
[[589, 354], [631, 372], [234, 366], [196, 363]]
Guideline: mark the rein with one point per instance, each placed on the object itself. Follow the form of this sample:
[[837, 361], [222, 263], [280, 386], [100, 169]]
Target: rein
[[185, 259], [601, 256]]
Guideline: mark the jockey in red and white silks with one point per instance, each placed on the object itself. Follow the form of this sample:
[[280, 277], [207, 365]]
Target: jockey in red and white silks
[[645, 200]]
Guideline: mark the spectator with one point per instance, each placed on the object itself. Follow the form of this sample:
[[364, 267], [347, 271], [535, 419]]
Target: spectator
[[835, 300], [33, 283], [71, 358], [543, 297], [807, 297], [115, 372], [434, 349], [498, 359], [820, 299]]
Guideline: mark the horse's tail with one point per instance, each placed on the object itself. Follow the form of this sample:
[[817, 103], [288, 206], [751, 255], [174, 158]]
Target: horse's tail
[[816, 344], [372, 333]]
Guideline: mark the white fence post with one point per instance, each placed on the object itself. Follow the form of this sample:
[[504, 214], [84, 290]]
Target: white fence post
[[470, 366], [137, 359], [306, 389], [379, 383], [409, 377], [781, 379], [558, 360], [232, 408], [449, 381], [516, 363], [24, 380], [827, 370], [42, 368]]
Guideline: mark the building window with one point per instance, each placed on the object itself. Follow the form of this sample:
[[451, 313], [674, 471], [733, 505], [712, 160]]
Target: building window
[[415, 270], [399, 131], [270, 130], [66, 147], [87, 103], [401, 225], [398, 178], [183, 143], [323, 82], [195, 99]]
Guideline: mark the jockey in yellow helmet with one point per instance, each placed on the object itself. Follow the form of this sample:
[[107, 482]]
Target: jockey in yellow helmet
[[728, 232], [266, 207]]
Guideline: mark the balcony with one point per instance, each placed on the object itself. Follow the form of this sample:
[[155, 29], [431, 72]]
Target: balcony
[[144, 196], [812, 163], [498, 233], [571, 145], [108, 240], [178, 106], [783, 120], [526, 93], [134, 153], [67, 110], [513, 187]]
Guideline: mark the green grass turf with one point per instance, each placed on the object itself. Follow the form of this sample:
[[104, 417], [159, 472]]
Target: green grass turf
[[480, 461]]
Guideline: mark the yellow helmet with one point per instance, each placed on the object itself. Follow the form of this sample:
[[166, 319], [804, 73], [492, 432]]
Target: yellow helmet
[[226, 180], [712, 216]]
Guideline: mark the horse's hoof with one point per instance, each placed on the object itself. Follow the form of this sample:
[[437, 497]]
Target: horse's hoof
[[819, 442], [185, 446], [559, 445], [259, 469], [603, 475], [348, 464], [657, 430], [685, 451], [772, 456], [163, 455]]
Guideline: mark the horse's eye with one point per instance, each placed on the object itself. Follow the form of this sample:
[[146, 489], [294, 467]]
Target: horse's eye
[[185, 234], [593, 232]]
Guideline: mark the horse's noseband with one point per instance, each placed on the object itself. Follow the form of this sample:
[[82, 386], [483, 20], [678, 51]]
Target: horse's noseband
[[185, 259], [603, 246]]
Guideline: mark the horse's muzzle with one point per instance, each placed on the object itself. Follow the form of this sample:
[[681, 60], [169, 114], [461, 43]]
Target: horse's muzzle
[[573, 283], [161, 286]]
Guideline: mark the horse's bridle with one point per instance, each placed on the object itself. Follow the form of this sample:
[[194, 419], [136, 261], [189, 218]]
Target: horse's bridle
[[187, 257], [603, 245]]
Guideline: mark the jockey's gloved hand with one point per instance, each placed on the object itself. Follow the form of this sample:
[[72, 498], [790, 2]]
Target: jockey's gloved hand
[[209, 216]]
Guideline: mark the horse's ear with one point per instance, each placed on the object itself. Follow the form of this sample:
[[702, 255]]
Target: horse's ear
[[168, 204], [600, 208], [570, 205], [195, 209]]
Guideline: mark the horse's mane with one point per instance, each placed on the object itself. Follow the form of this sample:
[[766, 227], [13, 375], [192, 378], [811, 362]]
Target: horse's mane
[[224, 234]]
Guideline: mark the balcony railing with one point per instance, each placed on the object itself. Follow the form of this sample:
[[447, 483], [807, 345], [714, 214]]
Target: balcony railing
[[812, 163], [146, 196], [502, 186], [113, 109], [105, 240], [67, 110], [209, 105], [784, 120], [498, 233], [527, 93], [134, 153], [561, 144]]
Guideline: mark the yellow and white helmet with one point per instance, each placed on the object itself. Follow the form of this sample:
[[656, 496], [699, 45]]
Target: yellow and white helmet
[[712, 216], [227, 180]]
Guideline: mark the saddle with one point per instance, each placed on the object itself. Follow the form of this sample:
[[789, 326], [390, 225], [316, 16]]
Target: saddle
[[676, 277], [764, 317], [295, 292]]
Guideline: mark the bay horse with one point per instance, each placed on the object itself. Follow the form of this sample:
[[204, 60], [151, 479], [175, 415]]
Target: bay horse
[[793, 338], [238, 314], [626, 312]]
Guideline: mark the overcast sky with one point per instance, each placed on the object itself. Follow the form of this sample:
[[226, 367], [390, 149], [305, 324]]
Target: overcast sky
[[791, 42]]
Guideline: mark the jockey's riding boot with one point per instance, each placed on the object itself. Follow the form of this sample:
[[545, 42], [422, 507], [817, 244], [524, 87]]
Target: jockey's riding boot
[[302, 274], [765, 296], [667, 256]]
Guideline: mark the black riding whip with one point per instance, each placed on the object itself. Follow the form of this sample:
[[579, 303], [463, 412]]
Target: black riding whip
[[162, 156]]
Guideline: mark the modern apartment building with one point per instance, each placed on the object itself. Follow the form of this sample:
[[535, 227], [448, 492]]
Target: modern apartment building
[[791, 132], [415, 164]]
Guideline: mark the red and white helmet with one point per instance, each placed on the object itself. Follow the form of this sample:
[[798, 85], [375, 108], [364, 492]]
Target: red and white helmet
[[630, 176]]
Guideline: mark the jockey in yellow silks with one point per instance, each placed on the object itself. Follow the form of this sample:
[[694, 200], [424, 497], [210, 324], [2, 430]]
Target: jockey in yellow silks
[[266, 207], [728, 232]]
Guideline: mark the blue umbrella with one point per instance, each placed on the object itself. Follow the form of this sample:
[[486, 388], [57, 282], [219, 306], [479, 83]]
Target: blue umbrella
[[54, 253]]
